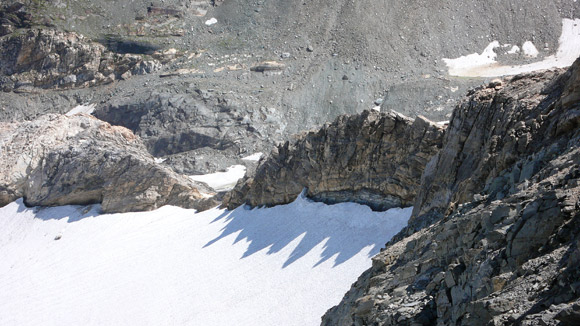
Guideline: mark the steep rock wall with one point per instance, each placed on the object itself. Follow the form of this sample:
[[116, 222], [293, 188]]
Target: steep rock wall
[[371, 158], [495, 235]]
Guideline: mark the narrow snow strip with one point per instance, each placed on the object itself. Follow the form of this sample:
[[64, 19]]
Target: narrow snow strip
[[222, 181], [278, 266], [484, 65], [84, 108], [254, 157]]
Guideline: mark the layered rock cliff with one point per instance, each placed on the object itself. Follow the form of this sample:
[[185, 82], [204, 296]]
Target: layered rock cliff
[[371, 158], [495, 234], [61, 160]]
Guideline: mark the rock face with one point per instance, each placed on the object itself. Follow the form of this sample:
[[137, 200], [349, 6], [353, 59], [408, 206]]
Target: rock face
[[371, 158], [190, 129], [47, 58], [495, 234], [60, 160]]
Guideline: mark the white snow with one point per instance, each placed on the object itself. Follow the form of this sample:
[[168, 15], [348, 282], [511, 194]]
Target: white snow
[[529, 49], [487, 57], [278, 266], [515, 49], [84, 108], [210, 21], [484, 65], [222, 181], [254, 157], [159, 160]]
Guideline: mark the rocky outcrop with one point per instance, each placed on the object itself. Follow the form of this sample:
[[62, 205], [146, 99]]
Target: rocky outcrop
[[60, 160], [47, 58], [13, 16], [193, 128], [495, 234], [371, 158], [497, 139]]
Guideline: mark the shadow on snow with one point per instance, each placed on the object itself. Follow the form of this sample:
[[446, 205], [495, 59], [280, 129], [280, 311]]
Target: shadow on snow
[[345, 229]]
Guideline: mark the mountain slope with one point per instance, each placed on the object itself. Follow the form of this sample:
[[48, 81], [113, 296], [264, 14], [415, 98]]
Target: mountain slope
[[494, 235]]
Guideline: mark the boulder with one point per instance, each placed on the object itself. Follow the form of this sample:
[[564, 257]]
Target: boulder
[[61, 160]]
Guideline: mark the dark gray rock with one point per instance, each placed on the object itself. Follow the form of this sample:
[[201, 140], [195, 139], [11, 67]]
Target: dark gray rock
[[495, 245]]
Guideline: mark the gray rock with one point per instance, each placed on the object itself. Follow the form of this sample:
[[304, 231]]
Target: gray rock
[[371, 158], [60, 160], [507, 260], [47, 58]]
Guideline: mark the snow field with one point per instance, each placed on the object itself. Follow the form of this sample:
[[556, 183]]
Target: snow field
[[277, 266], [485, 64]]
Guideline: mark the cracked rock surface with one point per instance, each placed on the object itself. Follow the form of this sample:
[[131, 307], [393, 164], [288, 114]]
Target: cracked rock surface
[[495, 233]]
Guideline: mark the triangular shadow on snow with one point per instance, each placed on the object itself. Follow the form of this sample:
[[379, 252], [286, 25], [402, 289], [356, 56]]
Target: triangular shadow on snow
[[341, 228]]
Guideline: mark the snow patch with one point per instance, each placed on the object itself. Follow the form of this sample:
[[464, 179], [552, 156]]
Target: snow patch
[[515, 49], [484, 65], [284, 265], [210, 21], [84, 108], [222, 181], [529, 49], [254, 157], [487, 57], [159, 160]]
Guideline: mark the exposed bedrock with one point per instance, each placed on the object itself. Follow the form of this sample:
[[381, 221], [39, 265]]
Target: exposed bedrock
[[495, 234], [198, 131], [370, 158], [47, 59], [61, 160]]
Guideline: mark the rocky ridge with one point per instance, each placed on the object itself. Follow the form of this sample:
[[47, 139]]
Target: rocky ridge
[[62, 160], [371, 158], [494, 237]]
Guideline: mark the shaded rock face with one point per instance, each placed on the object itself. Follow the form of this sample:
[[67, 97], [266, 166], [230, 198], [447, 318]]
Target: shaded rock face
[[495, 234], [46, 58], [60, 160], [496, 139], [371, 158], [192, 130], [13, 16]]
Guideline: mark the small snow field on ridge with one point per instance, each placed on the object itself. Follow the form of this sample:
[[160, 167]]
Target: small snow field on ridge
[[284, 265]]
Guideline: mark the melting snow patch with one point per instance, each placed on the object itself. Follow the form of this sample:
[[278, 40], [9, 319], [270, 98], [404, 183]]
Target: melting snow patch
[[484, 65], [210, 21], [222, 181], [84, 108], [159, 160], [487, 57], [530, 49], [254, 157], [284, 265], [515, 49]]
